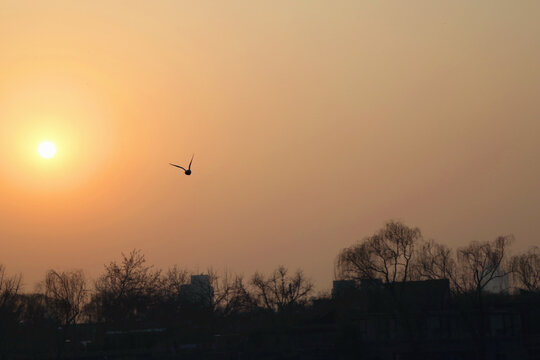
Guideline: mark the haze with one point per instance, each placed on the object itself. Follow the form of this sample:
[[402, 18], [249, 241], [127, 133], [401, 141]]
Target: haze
[[312, 123]]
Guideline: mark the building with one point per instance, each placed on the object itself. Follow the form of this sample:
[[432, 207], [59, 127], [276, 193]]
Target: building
[[198, 292], [342, 288]]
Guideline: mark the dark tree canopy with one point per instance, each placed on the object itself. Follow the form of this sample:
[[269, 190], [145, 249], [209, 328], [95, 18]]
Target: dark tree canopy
[[126, 288], [386, 255], [526, 269], [66, 294], [281, 291], [479, 263]]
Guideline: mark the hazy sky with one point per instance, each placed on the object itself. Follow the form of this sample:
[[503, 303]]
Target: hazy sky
[[312, 123]]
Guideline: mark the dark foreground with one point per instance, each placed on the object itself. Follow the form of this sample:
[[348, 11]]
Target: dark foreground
[[413, 320]]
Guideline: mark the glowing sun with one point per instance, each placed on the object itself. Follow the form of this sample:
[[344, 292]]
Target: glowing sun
[[47, 149]]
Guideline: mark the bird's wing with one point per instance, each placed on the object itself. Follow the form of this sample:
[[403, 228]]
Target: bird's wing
[[189, 167], [177, 166]]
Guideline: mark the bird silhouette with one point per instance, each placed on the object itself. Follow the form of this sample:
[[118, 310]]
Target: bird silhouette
[[188, 171]]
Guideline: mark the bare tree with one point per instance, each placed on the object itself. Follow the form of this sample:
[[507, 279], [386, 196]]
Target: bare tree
[[125, 290], [480, 263], [132, 276], [172, 281], [239, 299], [469, 270], [386, 255], [9, 287], [281, 291], [66, 293], [10, 307], [526, 269], [433, 261], [230, 295]]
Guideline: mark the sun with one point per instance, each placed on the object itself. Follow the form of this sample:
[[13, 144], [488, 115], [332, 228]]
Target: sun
[[47, 149]]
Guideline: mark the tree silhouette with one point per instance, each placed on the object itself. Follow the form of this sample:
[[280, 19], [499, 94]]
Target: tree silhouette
[[280, 291], [386, 255], [125, 290], [10, 308], [172, 281], [526, 269], [231, 296], [434, 261], [66, 294], [479, 263]]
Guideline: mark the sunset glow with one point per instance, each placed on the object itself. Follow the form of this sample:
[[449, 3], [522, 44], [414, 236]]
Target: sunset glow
[[254, 179], [312, 123]]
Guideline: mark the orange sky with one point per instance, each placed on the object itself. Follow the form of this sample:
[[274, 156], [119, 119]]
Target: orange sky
[[312, 123]]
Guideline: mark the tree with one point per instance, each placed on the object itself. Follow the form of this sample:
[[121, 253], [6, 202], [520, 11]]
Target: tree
[[239, 299], [9, 288], [526, 269], [386, 255], [480, 263], [280, 291], [433, 261], [10, 307], [469, 270], [126, 290], [230, 295], [172, 281], [66, 294]]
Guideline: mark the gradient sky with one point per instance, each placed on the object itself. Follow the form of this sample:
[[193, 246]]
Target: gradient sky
[[312, 123]]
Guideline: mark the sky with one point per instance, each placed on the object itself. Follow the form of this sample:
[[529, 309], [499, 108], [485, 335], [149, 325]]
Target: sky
[[312, 124]]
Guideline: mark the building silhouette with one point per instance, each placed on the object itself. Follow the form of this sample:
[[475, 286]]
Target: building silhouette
[[198, 292]]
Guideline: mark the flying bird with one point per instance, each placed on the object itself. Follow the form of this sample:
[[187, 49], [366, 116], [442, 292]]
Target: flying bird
[[188, 171]]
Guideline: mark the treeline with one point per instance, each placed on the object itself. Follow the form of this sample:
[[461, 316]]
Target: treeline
[[130, 293], [130, 288], [398, 253], [481, 278]]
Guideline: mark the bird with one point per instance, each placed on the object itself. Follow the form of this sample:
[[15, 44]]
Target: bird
[[188, 171]]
